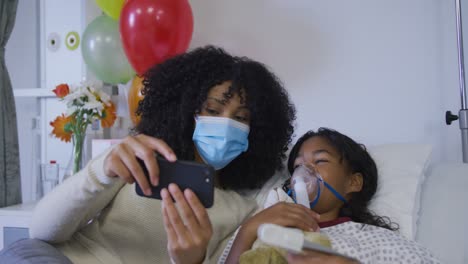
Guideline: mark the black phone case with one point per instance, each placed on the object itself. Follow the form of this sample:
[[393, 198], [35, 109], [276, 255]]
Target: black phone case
[[186, 174]]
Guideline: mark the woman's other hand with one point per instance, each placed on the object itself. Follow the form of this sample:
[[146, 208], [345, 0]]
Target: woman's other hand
[[311, 257], [189, 231], [122, 160]]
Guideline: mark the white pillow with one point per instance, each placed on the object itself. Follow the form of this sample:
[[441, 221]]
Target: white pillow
[[401, 175]]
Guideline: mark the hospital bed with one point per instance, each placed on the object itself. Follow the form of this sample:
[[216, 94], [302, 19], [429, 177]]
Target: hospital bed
[[428, 200]]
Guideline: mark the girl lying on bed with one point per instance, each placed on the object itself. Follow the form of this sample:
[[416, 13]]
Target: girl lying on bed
[[341, 180]]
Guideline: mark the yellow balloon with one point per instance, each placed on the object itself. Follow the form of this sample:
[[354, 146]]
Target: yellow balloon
[[134, 98], [112, 8]]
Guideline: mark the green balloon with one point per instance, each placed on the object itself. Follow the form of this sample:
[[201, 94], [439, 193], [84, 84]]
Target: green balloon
[[103, 52]]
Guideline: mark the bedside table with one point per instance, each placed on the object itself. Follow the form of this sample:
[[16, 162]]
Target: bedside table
[[14, 223]]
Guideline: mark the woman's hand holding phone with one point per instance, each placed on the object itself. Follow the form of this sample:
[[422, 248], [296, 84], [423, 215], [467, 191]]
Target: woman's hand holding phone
[[189, 233], [187, 241], [122, 160]]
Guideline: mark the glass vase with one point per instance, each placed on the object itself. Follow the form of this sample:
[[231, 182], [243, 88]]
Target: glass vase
[[75, 163]]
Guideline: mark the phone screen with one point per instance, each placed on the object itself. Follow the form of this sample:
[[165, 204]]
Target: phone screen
[[197, 177]]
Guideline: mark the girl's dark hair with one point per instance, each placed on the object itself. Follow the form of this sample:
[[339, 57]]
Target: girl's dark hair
[[175, 90], [358, 160]]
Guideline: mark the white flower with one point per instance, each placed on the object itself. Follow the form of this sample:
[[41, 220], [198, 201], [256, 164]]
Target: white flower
[[104, 97], [95, 85], [93, 106], [72, 109], [75, 93], [89, 96]]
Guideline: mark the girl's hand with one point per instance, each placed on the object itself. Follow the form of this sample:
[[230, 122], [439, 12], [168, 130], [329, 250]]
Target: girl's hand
[[189, 232], [284, 214], [122, 160]]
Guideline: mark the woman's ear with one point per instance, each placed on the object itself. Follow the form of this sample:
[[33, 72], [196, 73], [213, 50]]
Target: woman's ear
[[355, 183]]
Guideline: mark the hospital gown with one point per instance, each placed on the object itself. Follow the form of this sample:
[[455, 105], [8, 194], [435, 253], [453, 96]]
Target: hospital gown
[[372, 244], [366, 243]]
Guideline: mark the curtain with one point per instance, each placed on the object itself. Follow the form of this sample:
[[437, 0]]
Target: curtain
[[10, 181]]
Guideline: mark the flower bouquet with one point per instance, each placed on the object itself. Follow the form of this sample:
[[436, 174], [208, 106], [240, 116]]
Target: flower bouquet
[[85, 104]]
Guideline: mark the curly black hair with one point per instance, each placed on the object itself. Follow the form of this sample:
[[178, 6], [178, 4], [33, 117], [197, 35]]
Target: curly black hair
[[175, 90], [357, 158]]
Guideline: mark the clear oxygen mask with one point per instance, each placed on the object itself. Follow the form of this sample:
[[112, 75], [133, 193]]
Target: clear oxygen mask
[[306, 185]]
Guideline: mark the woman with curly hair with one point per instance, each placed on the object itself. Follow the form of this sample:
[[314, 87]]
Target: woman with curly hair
[[96, 216]]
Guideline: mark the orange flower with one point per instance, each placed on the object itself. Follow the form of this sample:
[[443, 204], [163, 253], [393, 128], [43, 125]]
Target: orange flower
[[61, 126], [61, 90], [108, 115]]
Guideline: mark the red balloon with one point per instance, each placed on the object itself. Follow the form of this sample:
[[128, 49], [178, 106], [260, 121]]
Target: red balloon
[[155, 30]]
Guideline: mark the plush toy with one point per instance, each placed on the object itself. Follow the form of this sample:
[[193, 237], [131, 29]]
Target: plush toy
[[261, 253]]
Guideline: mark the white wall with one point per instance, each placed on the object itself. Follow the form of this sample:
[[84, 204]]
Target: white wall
[[22, 50], [379, 71]]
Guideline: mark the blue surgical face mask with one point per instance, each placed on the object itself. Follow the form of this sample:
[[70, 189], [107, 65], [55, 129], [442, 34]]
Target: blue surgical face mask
[[306, 182], [219, 140]]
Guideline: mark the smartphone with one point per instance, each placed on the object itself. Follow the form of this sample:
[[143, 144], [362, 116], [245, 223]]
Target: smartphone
[[197, 177]]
